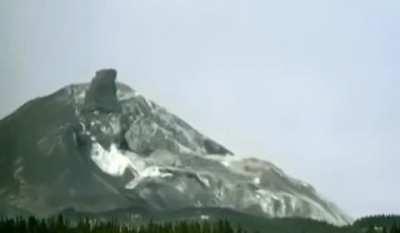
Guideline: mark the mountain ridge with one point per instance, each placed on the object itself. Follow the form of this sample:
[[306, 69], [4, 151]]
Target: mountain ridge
[[102, 146]]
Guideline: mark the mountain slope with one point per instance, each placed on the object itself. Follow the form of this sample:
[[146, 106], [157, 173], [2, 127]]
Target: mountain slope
[[101, 146]]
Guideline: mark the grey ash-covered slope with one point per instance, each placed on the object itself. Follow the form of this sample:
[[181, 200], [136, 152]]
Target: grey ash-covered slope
[[103, 147]]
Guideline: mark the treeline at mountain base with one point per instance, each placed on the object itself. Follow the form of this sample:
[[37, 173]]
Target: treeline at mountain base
[[373, 224], [59, 225], [378, 223]]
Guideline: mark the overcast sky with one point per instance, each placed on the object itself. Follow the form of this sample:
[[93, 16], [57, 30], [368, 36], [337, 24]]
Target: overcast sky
[[311, 85]]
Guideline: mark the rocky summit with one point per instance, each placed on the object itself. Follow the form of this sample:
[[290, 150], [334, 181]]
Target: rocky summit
[[104, 148], [101, 95]]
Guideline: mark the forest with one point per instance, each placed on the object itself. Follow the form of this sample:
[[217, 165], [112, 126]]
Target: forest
[[59, 224]]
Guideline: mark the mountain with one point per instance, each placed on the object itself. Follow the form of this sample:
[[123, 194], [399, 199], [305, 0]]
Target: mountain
[[103, 147]]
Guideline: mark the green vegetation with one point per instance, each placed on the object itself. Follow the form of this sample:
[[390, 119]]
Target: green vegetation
[[60, 225], [379, 224], [374, 224]]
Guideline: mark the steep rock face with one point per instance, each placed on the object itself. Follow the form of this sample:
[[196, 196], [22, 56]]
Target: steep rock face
[[44, 166], [102, 146], [101, 95], [100, 112]]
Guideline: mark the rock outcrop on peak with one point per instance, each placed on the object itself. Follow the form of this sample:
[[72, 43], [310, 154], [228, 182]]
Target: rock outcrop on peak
[[102, 94]]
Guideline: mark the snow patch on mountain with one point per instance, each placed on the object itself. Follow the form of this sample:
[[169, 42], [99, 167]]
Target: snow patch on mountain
[[116, 162], [111, 162]]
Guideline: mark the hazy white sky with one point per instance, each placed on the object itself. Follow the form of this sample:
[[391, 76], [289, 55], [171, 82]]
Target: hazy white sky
[[310, 85]]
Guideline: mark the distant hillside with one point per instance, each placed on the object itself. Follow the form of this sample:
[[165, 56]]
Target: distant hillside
[[379, 222]]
